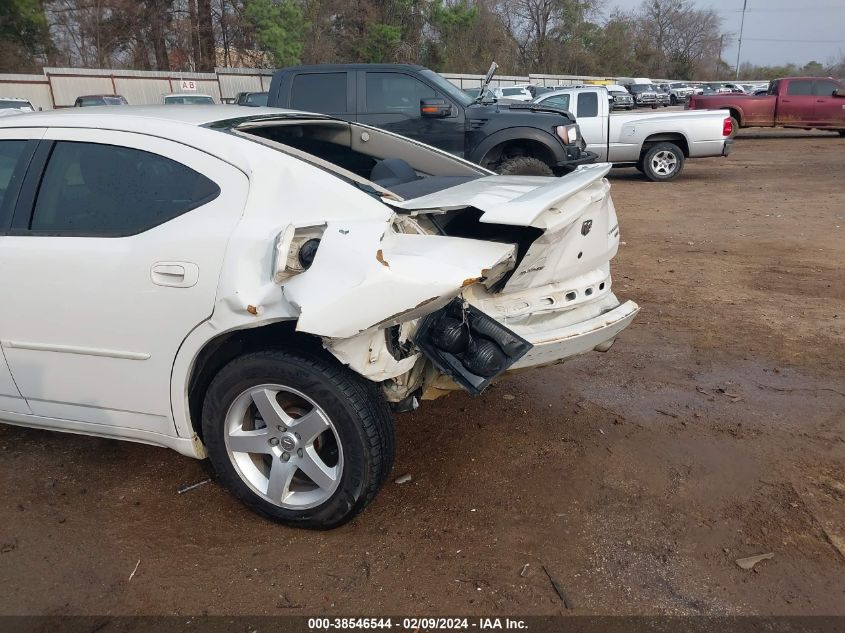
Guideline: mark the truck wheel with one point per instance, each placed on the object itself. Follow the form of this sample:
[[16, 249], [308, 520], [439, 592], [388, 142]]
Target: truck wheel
[[654, 106], [298, 438], [734, 127], [524, 166], [663, 162], [841, 132]]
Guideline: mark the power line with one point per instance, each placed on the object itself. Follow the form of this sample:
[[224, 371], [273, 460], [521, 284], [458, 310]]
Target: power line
[[786, 9], [739, 46], [779, 39]]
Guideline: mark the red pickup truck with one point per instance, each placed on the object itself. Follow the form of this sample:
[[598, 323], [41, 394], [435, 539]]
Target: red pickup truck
[[805, 102]]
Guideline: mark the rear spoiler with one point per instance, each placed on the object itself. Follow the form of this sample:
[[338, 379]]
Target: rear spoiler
[[489, 195]]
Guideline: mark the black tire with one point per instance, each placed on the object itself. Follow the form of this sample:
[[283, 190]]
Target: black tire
[[524, 166], [671, 152], [355, 406], [734, 127], [654, 106], [841, 132]]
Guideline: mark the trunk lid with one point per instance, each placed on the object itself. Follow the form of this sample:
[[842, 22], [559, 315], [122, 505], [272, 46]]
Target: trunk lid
[[578, 229]]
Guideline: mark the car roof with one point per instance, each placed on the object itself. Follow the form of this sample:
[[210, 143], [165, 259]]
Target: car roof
[[130, 117], [178, 123], [187, 94], [97, 96], [329, 67]]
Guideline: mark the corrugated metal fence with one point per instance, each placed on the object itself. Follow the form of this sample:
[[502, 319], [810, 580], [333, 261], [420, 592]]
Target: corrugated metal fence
[[59, 87]]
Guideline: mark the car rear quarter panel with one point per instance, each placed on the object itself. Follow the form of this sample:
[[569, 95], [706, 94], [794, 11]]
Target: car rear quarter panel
[[283, 191]]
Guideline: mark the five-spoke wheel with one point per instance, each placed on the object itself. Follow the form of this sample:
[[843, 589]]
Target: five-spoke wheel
[[284, 445], [297, 436]]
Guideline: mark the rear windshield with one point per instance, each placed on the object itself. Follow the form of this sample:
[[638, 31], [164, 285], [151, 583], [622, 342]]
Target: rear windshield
[[189, 100], [13, 103]]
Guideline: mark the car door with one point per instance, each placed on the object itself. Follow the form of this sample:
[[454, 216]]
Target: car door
[[391, 100], [16, 149], [113, 257], [797, 105], [592, 124], [829, 110]]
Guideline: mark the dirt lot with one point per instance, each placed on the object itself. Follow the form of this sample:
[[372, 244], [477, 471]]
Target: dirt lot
[[714, 429]]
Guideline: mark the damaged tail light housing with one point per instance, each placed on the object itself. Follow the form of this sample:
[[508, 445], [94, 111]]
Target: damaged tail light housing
[[295, 250], [468, 346]]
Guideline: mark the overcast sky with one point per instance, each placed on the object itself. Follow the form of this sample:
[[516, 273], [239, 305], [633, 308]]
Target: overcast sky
[[818, 24]]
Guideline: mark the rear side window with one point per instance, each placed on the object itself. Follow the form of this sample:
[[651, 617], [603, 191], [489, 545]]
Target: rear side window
[[824, 87], [395, 92], [95, 190], [559, 101], [588, 104], [799, 87], [319, 92], [10, 154]]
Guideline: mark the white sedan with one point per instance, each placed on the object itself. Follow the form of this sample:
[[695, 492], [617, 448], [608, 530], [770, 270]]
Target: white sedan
[[263, 290]]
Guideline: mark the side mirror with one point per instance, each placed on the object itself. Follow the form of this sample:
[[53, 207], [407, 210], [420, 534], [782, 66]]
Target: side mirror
[[435, 108]]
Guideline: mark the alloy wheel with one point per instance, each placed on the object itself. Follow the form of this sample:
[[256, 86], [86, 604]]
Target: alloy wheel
[[664, 163], [284, 446]]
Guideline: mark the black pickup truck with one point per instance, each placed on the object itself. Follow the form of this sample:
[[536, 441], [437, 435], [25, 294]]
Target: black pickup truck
[[517, 138]]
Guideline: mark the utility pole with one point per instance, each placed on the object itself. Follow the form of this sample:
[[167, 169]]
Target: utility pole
[[739, 45], [719, 58]]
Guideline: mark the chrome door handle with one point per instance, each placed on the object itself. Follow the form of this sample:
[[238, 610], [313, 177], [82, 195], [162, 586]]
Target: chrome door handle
[[175, 274]]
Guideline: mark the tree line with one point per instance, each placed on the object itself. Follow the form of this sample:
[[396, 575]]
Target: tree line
[[661, 38]]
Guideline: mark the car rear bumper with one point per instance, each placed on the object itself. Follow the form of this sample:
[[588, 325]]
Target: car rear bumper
[[556, 345]]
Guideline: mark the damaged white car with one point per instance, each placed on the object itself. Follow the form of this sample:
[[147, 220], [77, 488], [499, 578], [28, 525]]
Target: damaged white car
[[264, 289]]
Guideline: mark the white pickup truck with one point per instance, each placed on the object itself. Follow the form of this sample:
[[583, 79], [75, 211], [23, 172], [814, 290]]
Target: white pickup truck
[[656, 144]]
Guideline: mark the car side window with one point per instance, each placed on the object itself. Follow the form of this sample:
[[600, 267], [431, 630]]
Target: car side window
[[319, 92], [799, 87], [588, 105], [10, 154], [559, 101], [95, 190], [824, 87], [395, 92]]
